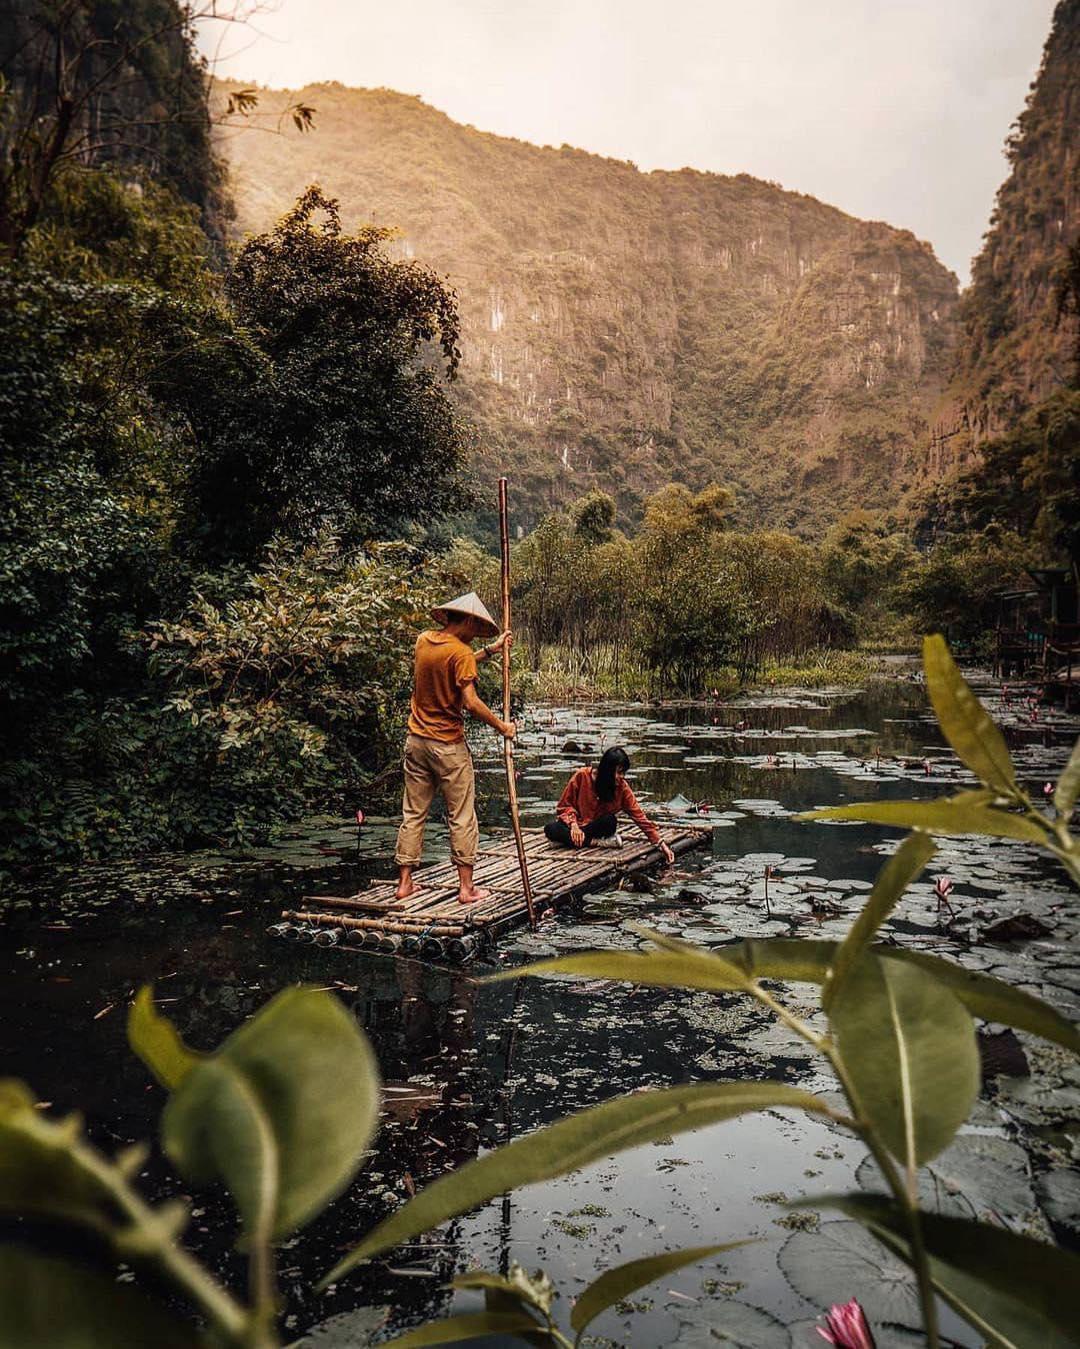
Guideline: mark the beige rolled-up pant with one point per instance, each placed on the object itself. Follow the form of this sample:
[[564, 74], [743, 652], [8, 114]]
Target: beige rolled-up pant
[[435, 766]]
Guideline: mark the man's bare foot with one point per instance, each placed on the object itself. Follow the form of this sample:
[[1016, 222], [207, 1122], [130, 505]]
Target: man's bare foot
[[406, 889], [473, 895]]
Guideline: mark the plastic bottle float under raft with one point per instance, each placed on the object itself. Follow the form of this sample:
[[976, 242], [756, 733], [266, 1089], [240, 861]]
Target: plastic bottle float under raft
[[431, 923]]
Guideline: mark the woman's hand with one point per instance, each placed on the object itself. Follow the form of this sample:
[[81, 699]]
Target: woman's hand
[[577, 835], [669, 856]]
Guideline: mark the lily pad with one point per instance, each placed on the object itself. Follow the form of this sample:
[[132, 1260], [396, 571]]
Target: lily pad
[[733, 1323], [1059, 1193], [975, 1177], [350, 1330], [841, 1261]]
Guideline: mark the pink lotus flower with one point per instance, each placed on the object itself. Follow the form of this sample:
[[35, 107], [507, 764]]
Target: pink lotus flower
[[359, 816], [1048, 789], [943, 888], [845, 1326]]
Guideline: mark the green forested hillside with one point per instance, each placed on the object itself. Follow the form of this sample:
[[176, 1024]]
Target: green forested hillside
[[620, 328]]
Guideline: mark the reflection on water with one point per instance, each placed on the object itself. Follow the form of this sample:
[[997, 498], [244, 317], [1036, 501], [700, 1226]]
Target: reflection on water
[[468, 1065]]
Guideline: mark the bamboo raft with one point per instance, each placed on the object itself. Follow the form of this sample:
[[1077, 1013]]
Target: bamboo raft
[[431, 923]]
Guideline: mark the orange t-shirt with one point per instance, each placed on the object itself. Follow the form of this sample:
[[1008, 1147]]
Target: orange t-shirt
[[444, 665], [579, 804]]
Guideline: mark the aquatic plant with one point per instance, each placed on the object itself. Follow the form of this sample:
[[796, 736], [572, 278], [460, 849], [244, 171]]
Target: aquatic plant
[[283, 1112], [845, 1326], [901, 1044]]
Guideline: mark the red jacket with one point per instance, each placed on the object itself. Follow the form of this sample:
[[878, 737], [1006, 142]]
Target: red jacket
[[579, 804]]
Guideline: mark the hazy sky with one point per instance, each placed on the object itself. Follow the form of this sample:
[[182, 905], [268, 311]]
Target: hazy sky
[[891, 109]]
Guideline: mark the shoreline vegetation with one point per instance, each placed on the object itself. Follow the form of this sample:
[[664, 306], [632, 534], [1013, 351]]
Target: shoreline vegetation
[[561, 679]]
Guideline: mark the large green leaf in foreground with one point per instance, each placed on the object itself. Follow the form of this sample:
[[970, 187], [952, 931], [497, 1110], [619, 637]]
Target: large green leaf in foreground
[[808, 961], [46, 1167], [1067, 791], [679, 965], [892, 880], [964, 721], [470, 1326], [282, 1112], [909, 1049], [804, 960], [157, 1042], [1017, 1292], [615, 1284], [588, 1136], [50, 1304], [944, 815]]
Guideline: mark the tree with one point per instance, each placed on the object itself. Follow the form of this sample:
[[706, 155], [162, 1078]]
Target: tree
[[694, 614], [93, 82], [594, 517], [347, 422], [863, 556]]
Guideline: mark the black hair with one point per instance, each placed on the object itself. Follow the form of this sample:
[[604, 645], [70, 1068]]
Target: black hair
[[610, 761]]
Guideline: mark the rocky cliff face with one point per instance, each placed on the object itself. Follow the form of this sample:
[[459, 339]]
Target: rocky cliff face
[[624, 328], [1013, 353]]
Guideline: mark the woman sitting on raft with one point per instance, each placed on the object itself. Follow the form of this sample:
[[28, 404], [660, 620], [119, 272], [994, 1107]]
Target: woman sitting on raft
[[587, 809]]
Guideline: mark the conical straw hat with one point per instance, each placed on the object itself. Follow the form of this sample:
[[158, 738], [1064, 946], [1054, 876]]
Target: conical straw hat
[[470, 604]]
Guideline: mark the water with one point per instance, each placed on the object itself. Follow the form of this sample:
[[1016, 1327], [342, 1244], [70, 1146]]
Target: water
[[468, 1065]]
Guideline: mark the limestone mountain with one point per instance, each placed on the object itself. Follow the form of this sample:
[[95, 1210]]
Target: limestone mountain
[[624, 328], [1013, 353]]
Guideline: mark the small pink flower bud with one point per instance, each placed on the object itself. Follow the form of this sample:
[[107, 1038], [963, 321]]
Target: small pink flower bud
[[846, 1327]]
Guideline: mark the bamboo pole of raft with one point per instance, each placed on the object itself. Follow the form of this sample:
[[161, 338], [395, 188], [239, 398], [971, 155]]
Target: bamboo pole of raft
[[508, 745]]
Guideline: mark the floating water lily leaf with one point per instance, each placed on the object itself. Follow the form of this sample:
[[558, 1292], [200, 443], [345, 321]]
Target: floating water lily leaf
[[615, 1284], [893, 879], [472, 1326], [157, 1042], [841, 1261], [977, 1176], [685, 967], [807, 961], [964, 721], [1059, 1193], [733, 1323], [679, 804], [357, 1329], [570, 1143], [282, 1112], [1017, 1292], [909, 1049], [44, 1301], [946, 815]]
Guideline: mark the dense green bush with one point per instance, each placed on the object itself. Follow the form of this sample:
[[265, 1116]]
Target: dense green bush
[[294, 683], [682, 606], [347, 422], [174, 458]]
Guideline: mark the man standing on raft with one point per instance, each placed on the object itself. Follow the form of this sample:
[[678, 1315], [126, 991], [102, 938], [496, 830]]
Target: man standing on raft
[[437, 758]]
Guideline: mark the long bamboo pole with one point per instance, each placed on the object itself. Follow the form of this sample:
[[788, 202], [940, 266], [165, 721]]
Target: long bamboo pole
[[508, 745]]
